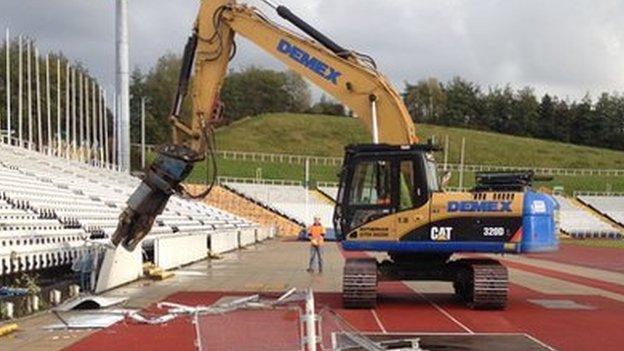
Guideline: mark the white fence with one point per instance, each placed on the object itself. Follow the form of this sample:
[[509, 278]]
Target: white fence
[[319, 184], [597, 193], [327, 184], [259, 181]]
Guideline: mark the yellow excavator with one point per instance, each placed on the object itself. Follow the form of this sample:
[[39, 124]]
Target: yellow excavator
[[389, 199]]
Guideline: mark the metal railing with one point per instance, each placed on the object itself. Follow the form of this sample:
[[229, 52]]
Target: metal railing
[[259, 181], [597, 193], [279, 158], [574, 172]]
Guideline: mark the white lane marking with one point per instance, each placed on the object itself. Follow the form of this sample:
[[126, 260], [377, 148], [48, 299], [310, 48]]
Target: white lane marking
[[383, 330], [536, 340], [444, 312]]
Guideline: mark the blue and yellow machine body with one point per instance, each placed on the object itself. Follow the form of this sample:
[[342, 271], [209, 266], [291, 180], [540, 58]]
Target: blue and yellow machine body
[[390, 201]]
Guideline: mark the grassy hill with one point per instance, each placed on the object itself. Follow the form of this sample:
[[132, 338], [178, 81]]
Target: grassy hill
[[327, 135]]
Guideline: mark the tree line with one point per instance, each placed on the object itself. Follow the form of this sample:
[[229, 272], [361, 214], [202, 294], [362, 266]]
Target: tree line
[[457, 103], [461, 103], [248, 92]]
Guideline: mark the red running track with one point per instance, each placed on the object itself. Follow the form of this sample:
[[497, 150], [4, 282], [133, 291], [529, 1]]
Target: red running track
[[610, 259], [402, 310], [594, 283]]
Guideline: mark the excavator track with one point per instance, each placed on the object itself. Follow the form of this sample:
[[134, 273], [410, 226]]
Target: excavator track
[[483, 284], [359, 283]]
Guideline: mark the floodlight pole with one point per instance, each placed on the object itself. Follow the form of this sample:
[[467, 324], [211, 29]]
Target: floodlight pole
[[100, 126], [67, 113], [123, 84], [115, 132], [58, 107], [48, 106], [74, 124], [105, 122], [29, 93], [87, 118], [8, 84], [94, 112], [38, 95], [20, 91], [81, 115]]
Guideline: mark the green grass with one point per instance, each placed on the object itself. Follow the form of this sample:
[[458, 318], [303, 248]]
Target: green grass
[[292, 134], [614, 244], [327, 136]]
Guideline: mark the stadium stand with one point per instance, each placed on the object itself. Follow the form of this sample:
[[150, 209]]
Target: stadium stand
[[51, 207], [232, 202], [610, 206], [331, 192], [579, 223], [293, 202]]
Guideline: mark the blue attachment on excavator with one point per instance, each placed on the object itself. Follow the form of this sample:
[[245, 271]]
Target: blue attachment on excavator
[[539, 223]]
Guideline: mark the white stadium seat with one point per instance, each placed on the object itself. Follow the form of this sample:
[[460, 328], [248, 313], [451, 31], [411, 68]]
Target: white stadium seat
[[610, 206], [294, 202], [50, 206], [578, 222]]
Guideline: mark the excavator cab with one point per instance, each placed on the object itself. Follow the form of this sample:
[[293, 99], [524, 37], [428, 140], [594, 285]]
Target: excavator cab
[[378, 180]]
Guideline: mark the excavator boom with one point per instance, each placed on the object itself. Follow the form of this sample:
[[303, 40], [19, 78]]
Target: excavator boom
[[348, 76]]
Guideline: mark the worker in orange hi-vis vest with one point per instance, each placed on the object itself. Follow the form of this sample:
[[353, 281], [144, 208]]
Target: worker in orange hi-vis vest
[[316, 234]]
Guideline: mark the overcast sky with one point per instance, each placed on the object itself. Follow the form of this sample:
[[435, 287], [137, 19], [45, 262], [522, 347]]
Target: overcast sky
[[567, 47]]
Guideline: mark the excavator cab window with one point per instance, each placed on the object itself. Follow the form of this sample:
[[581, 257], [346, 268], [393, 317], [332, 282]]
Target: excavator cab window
[[370, 191], [371, 184], [414, 186], [407, 188], [380, 180]]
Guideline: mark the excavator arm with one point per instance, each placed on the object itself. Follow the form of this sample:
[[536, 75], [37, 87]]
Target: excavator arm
[[348, 76]]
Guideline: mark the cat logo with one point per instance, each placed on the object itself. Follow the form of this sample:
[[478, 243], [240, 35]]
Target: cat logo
[[441, 233]]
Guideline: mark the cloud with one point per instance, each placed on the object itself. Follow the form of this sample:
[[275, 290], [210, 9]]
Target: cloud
[[566, 47]]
